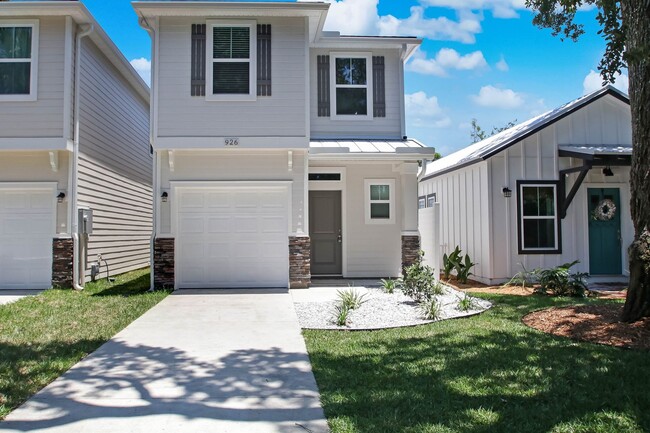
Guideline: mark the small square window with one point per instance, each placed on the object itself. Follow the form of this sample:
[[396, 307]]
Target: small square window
[[431, 200], [422, 202], [380, 201]]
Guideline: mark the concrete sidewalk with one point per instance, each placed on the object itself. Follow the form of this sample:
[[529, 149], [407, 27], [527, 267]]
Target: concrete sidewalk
[[223, 362]]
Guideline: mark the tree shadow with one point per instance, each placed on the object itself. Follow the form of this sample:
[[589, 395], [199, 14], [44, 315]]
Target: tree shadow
[[129, 386], [132, 287]]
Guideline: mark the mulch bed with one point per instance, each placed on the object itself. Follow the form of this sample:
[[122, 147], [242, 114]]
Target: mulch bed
[[594, 323]]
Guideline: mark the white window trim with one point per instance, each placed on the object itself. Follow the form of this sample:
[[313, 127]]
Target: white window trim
[[554, 218], [209, 46], [368, 85], [391, 200], [33, 85]]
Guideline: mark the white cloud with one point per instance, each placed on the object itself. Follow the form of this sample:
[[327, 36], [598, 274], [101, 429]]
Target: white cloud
[[493, 97], [353, 17], [143, 67], [499, 8], [425, 111], [502, 65], [445, 59], [593, 81]]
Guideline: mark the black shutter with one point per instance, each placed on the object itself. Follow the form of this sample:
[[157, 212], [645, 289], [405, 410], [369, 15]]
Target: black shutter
[[379, 86], [198, 60], [264, 60], [323, 86]]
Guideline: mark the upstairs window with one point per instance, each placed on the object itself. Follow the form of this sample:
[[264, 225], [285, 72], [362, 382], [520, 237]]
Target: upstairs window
[[538, 222], [352, 87], [231, 71], [18, 53]]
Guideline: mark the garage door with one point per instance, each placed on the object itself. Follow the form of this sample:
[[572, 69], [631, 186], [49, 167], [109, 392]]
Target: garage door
[[232, 237], [27, 227]]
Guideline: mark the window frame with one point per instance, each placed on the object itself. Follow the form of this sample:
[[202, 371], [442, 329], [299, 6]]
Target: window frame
[[33, 61], [422, 202], [367, 56], [521, 184], [210, 61], [391, 201], [433, 196]]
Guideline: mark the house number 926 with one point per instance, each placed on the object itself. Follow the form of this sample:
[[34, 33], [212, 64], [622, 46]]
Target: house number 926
[[230, 142]]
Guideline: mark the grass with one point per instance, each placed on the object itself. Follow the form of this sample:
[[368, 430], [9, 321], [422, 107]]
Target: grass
[[489, 373], [43, 336]]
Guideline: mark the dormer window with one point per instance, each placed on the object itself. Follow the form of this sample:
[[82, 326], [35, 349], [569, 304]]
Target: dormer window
[[352, 85], [231, 53], [18, 53]]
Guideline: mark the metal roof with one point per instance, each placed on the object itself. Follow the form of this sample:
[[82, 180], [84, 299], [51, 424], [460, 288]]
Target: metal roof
[[355, 148], [491, 146], [598, 150]]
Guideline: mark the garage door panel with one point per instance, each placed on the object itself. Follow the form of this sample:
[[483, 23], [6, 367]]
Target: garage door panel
[[245, 237], [191, 200]]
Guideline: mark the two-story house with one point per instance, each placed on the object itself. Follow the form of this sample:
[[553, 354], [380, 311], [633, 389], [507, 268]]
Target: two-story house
[[75, 163], [280, 149]]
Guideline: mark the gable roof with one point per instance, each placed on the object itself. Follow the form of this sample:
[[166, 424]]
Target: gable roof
[[491, 146]]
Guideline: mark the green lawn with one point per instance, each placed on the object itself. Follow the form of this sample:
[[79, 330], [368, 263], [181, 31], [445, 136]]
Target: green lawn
[[489, 373], [43, 336]]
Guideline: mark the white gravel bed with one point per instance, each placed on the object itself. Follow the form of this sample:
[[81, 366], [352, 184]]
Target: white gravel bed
[[382, 310]]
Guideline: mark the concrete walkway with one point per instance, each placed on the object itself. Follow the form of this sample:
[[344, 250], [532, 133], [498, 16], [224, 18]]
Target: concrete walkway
[[9, 296], [223, 362]]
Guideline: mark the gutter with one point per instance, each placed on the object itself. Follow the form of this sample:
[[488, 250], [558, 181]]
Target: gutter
[[76, 264], [142, 21]]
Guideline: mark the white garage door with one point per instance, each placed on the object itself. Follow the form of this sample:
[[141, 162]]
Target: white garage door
[[232, 237], [27, 227]]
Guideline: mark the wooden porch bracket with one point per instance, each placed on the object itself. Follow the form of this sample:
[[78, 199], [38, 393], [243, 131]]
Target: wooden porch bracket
[[566, 199]]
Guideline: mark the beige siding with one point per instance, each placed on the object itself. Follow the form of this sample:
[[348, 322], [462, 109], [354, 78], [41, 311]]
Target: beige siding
[[380, 127], [234, 165], [279, 115], [114, 164], [43, 117]]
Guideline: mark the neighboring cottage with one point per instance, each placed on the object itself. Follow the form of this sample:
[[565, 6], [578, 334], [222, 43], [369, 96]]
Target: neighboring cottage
[[548, 191], [280, 149], [75, 163]]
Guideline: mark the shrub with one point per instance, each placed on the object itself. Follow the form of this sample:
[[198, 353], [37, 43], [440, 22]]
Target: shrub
[[419, 282], [430, 309], [463, 269], [524, 278], [561, 282], [341, 313], [389, 285], [466, 304], [461, 264], [449, 262], [351, 298]]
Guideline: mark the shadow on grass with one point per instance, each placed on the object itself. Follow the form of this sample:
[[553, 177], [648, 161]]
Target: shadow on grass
[[485, 374], [131, 287]]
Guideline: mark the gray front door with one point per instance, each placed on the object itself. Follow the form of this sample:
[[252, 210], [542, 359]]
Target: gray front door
[[326, 234]]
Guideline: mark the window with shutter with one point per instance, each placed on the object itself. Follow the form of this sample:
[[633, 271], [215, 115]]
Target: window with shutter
[[351, 91], [198, 60], [323, 78], [379, 86], [264, 60], [232, 60]]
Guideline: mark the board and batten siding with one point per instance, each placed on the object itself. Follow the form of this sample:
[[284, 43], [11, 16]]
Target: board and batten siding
[[233, 165], [42, 118], [464, 213], [388, 127], [279, 115], [115, 165]]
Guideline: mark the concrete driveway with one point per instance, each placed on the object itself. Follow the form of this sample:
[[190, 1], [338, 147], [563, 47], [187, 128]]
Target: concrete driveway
[[9, 296], [199, 362]]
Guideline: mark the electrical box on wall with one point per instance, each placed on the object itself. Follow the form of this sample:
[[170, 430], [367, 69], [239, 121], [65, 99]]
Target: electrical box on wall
[[85, 221]]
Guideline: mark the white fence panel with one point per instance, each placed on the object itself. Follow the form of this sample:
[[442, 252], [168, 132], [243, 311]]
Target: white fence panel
[[429, 225]]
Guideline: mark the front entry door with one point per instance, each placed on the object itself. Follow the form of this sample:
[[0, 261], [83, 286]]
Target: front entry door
[[605, 231], [326, 234]]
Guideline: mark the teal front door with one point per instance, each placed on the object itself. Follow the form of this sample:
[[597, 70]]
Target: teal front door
[[605, 231]]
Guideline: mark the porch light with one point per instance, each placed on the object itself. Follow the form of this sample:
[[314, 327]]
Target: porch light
[[607, 171], [164, 197], [60, 197], [507, 192]]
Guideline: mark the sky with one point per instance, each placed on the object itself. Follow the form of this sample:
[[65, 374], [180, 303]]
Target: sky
[[480, 59]]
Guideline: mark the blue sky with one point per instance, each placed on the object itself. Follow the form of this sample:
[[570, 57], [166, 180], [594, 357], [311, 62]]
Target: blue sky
[[480, 59]]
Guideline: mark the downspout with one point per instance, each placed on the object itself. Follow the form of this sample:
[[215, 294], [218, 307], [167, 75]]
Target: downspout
[[76, 264], [152, 33]]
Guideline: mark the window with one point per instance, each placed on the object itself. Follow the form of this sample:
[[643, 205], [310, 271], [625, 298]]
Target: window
[[330, 177], [380, 201], [538, 222], [18, 54], [352, 85], [431, 200], [231, 66], [422, 202]]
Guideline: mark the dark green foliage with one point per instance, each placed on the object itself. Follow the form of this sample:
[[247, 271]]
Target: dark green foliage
[[461, 264], [560, 281], [524, 278], [389, 285], [419, 282]]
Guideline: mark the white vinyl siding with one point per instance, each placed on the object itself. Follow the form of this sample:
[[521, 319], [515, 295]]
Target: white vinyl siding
[[43, 117], [18, 60], [280, 115], [114, 164]]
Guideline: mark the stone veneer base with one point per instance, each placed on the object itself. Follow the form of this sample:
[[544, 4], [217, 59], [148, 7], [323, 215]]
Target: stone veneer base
[[164, 263], [299, 262], [62, 262], [410, 250]]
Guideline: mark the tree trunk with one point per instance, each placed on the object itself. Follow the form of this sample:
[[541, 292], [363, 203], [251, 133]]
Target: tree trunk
[[636, 18]]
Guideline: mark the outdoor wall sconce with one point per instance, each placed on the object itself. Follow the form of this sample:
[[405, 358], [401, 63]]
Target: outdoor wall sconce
[[507, 192], [164, 197], [607, 171], [60, 197]]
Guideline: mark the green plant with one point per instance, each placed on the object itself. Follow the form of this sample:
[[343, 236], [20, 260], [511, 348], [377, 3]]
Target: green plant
[[341, 313], [449, 262], [389, 285], [466, 304], [351, 298], [430, 308], [524, 278], [561, 282], [419, 282], [463, 269]]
